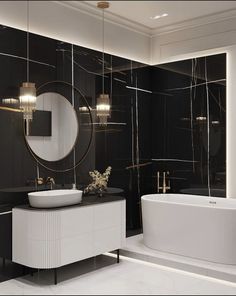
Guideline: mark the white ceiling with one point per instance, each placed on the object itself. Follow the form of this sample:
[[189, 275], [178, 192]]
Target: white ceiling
[[139, 12]]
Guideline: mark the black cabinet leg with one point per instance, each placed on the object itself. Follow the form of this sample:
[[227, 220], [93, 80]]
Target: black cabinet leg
[[55, 276], [31, 272], [118, 255], [24, 270], [3, 262]]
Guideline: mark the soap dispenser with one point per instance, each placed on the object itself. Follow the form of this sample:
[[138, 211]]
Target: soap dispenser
[[74, 186]]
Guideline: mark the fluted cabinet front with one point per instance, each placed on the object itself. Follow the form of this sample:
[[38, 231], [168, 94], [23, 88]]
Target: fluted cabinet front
[[52, 238]]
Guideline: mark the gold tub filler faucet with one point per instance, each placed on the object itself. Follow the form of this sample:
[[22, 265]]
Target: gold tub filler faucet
[[164, 186]]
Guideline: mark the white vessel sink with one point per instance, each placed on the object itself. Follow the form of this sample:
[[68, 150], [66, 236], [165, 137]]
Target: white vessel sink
[[55, 198]]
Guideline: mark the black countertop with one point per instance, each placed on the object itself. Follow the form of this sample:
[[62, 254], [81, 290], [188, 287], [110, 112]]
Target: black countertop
[[14, 197], [27, 189], [5, 208], [86, 201]]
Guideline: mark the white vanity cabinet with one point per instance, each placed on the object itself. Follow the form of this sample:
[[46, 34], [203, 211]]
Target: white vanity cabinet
[[52, 238]]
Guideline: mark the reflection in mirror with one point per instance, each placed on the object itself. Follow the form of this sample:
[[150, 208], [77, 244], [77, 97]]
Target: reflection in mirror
[[54, 130]]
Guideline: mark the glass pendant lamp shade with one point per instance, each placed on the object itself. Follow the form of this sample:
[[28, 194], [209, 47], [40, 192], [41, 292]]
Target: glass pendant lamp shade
[[27, 96], [103, 108], [28, 99]]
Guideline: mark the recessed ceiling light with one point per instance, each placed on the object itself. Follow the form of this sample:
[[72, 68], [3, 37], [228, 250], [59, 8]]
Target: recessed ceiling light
[[155, 17]]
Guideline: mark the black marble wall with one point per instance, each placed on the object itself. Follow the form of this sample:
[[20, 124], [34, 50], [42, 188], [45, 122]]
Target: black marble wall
[[189, 124], [161, 120]]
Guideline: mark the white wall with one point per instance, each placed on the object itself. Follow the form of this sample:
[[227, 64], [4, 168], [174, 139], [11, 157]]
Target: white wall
[[231, 122], [57, 21], [193, 40]]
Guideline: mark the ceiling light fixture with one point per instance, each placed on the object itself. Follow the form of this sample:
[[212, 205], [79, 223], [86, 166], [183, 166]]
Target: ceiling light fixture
[[155, 17], [27, 96], [103, 106], [10, 101]]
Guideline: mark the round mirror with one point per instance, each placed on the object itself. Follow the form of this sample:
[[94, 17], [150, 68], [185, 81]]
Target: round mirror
[[54, 129]]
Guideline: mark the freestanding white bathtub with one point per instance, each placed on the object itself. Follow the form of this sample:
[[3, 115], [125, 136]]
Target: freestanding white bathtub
[[194, 226]]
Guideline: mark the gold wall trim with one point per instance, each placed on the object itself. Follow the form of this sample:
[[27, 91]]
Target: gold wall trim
[[10, 109]]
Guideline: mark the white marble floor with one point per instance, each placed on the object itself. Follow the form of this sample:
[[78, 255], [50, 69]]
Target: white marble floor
[[102, 276]]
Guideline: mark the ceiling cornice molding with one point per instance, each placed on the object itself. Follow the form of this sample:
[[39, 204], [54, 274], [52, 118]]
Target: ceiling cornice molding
[[197, 22], [110, 17], [93, 11]]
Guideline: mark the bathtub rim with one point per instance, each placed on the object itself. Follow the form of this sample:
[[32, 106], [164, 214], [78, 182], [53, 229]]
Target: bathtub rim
[[221, 203]]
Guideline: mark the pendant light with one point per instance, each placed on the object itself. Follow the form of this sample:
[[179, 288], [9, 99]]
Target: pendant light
[[27, 96], [103, 101]]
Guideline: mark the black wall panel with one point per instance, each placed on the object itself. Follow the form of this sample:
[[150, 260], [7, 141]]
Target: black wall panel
[[154, 117]]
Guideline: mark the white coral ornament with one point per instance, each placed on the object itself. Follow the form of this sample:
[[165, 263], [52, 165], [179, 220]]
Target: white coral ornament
[[99, 184]]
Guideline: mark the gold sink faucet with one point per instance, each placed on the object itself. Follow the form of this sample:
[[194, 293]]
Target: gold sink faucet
[[50, 181]]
